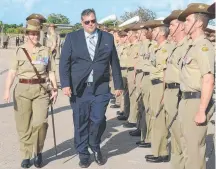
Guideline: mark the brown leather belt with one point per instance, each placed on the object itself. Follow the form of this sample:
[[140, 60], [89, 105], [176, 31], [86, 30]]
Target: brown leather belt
[[32, 81]]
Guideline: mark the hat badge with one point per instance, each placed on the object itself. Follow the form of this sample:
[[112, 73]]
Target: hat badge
[[201, 7]]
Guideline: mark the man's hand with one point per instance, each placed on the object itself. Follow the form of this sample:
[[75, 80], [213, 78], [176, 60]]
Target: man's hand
[[67, 91], [7, 96], [118, 93], [200, 118], [54, 95]]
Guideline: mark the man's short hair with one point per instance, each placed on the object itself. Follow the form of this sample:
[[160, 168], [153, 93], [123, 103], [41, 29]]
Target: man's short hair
[[87, 12], [204, 18], [165, 30]]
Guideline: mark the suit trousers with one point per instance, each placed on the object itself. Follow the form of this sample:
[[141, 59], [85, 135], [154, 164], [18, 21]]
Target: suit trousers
[[89, 120], [31, 105]]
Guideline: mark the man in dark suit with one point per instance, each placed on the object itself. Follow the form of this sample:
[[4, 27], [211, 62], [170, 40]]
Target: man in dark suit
[[84, 73]]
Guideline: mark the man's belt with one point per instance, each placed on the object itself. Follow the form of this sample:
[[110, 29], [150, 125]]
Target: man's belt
[[123, 68], [130, 68], [32, 81], [89, 83], [146, 73], [191, 95], [156, 81], [138, 71], [172, 85]]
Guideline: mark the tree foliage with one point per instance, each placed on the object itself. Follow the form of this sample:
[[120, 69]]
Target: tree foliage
[[58, 19], [142, 12]]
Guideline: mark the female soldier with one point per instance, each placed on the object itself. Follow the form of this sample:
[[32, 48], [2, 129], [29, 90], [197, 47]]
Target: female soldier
[[32, 64]]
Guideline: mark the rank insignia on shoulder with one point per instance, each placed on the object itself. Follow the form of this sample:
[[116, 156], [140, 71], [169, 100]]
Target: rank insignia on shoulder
[[205, 49], [164, 50]]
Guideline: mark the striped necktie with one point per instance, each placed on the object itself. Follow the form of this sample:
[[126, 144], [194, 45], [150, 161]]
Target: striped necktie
[[92, 46]]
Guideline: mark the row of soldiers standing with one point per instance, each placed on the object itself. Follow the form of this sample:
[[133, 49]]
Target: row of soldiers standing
[[168, 74]]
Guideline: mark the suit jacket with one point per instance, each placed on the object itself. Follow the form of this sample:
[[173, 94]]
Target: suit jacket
[[76, 63]]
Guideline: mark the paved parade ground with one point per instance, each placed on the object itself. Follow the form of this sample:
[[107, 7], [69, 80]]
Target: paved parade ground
[[118, 147]]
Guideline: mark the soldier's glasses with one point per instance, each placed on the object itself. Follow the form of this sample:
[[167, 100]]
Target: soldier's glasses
[[91, 21]]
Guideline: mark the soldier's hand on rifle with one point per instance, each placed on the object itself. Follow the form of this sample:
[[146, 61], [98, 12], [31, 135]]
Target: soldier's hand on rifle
[[54, 95]]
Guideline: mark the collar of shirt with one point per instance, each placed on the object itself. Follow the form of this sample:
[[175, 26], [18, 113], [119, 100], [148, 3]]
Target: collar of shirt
[[88, 35]]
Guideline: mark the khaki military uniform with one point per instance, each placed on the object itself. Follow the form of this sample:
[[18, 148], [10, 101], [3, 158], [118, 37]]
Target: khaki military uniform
[[197, 62], [31, 101], [55, 38], [171, 101], [159, 129], [132, 54], [146, 54]]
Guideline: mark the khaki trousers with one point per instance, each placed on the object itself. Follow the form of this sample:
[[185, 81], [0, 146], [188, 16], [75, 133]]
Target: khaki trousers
[[124, 98], [146, 122], [133, 98], [193, 135], [159, 128], [171, 107], [31, 104]]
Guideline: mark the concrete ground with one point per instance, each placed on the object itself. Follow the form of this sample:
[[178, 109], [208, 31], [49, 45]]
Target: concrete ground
[[118, 147]]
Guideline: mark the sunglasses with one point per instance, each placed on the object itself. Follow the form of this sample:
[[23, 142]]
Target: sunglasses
[[91, 21]]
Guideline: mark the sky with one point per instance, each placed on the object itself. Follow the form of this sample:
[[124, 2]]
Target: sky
[[15, 11]]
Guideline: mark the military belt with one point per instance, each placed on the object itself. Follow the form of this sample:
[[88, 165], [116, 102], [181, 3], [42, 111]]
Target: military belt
[[130, 68], [146, 73], [123, 68], [138, 71], [156, 81], [172, 85], [191, 95], [32, 81]]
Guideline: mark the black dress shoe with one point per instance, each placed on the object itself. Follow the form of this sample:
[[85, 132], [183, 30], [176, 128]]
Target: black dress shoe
[[26, 163], [38, 161], [135, 133], [115, 106], [120, 113], [84, 163], [159, 159], [149, 156], [122, 118], [98, 158], [129, 125], [143, 144]]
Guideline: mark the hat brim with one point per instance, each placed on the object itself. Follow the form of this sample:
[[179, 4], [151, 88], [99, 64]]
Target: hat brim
[[211, 9], [168, 19], [191, 10]]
